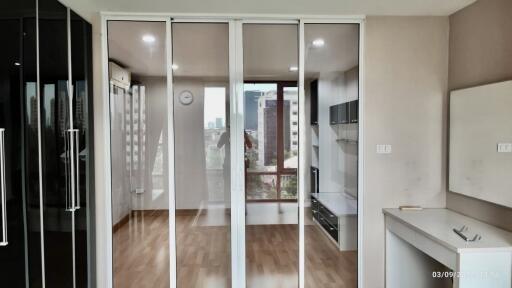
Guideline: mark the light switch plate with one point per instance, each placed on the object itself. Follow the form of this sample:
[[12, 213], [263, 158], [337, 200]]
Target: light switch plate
[[384, 149], [504, 147]]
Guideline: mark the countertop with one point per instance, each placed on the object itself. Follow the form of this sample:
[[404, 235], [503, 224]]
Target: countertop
[[338, 203], [438, 224]]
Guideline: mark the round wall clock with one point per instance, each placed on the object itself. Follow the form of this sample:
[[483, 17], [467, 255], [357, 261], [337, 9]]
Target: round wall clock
[[186, 97]]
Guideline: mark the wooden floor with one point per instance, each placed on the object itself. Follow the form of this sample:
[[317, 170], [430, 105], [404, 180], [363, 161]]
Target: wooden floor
[[141, 255]]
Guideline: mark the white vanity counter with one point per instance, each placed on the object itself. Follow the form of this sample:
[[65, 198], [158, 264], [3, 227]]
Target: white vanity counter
[[438, 225], [417, 242]]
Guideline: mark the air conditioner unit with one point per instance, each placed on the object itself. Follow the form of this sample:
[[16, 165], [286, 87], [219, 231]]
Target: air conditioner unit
[[119, 76]]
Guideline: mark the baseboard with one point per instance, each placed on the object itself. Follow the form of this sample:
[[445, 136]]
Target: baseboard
[[133, 213], [121, 222], [186, 212], [159, 212]]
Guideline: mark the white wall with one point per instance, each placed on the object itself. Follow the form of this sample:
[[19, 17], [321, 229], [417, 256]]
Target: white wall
[[103, 225], [189, 147], [406, 106], [190, 159], [331, 160]]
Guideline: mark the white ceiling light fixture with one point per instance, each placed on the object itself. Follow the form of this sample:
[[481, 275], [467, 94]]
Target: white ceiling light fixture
[[294, 68], [148, 38], [175, 66], [318, 42]]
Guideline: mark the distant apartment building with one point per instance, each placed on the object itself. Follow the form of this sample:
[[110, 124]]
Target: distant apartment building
[[267, 126]]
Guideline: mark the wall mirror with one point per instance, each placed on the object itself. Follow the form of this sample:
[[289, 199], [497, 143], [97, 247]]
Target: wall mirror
[[481, 142]]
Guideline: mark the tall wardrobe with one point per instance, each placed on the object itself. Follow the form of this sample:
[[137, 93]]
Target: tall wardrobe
[[46, 155]]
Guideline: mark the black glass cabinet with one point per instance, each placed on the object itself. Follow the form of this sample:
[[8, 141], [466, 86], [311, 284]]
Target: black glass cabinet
[[46, 155]]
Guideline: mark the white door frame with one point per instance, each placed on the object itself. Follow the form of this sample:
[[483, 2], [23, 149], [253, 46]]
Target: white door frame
[[235, 21]]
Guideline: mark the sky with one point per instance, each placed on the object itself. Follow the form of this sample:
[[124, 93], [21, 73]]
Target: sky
[[214, 104]]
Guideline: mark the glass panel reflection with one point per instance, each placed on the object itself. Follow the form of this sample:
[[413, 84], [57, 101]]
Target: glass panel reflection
[[271, 153], [332, 87], [291, 127], [138, 117], [261, 187], [202, 149]]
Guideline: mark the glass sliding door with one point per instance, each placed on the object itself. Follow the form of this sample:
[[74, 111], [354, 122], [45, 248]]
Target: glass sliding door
[[235, 148], [331, 81], [139, 153], [202, 153], [270, 61]]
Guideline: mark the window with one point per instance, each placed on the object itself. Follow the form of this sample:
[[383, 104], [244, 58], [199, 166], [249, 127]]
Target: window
[[271, 120], [216, 141]]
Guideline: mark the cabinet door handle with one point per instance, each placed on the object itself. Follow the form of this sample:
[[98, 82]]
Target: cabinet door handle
[[3, 188], [72, 170]]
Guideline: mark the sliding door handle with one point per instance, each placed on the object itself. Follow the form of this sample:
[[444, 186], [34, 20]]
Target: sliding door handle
[[3, 188], [76, 161], [72, 170]]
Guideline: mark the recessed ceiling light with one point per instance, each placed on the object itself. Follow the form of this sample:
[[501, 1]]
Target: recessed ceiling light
[[148, 38], [175, 66], [318, 42], [17, 64], [294, 68]]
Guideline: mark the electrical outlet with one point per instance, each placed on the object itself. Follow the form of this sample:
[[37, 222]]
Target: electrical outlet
[[504, 147], [384, 149]]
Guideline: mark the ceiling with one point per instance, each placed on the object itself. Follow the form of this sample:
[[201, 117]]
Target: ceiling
[[89, 8], [125, 46], [269, 51], [339, 53], [201, 49]]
